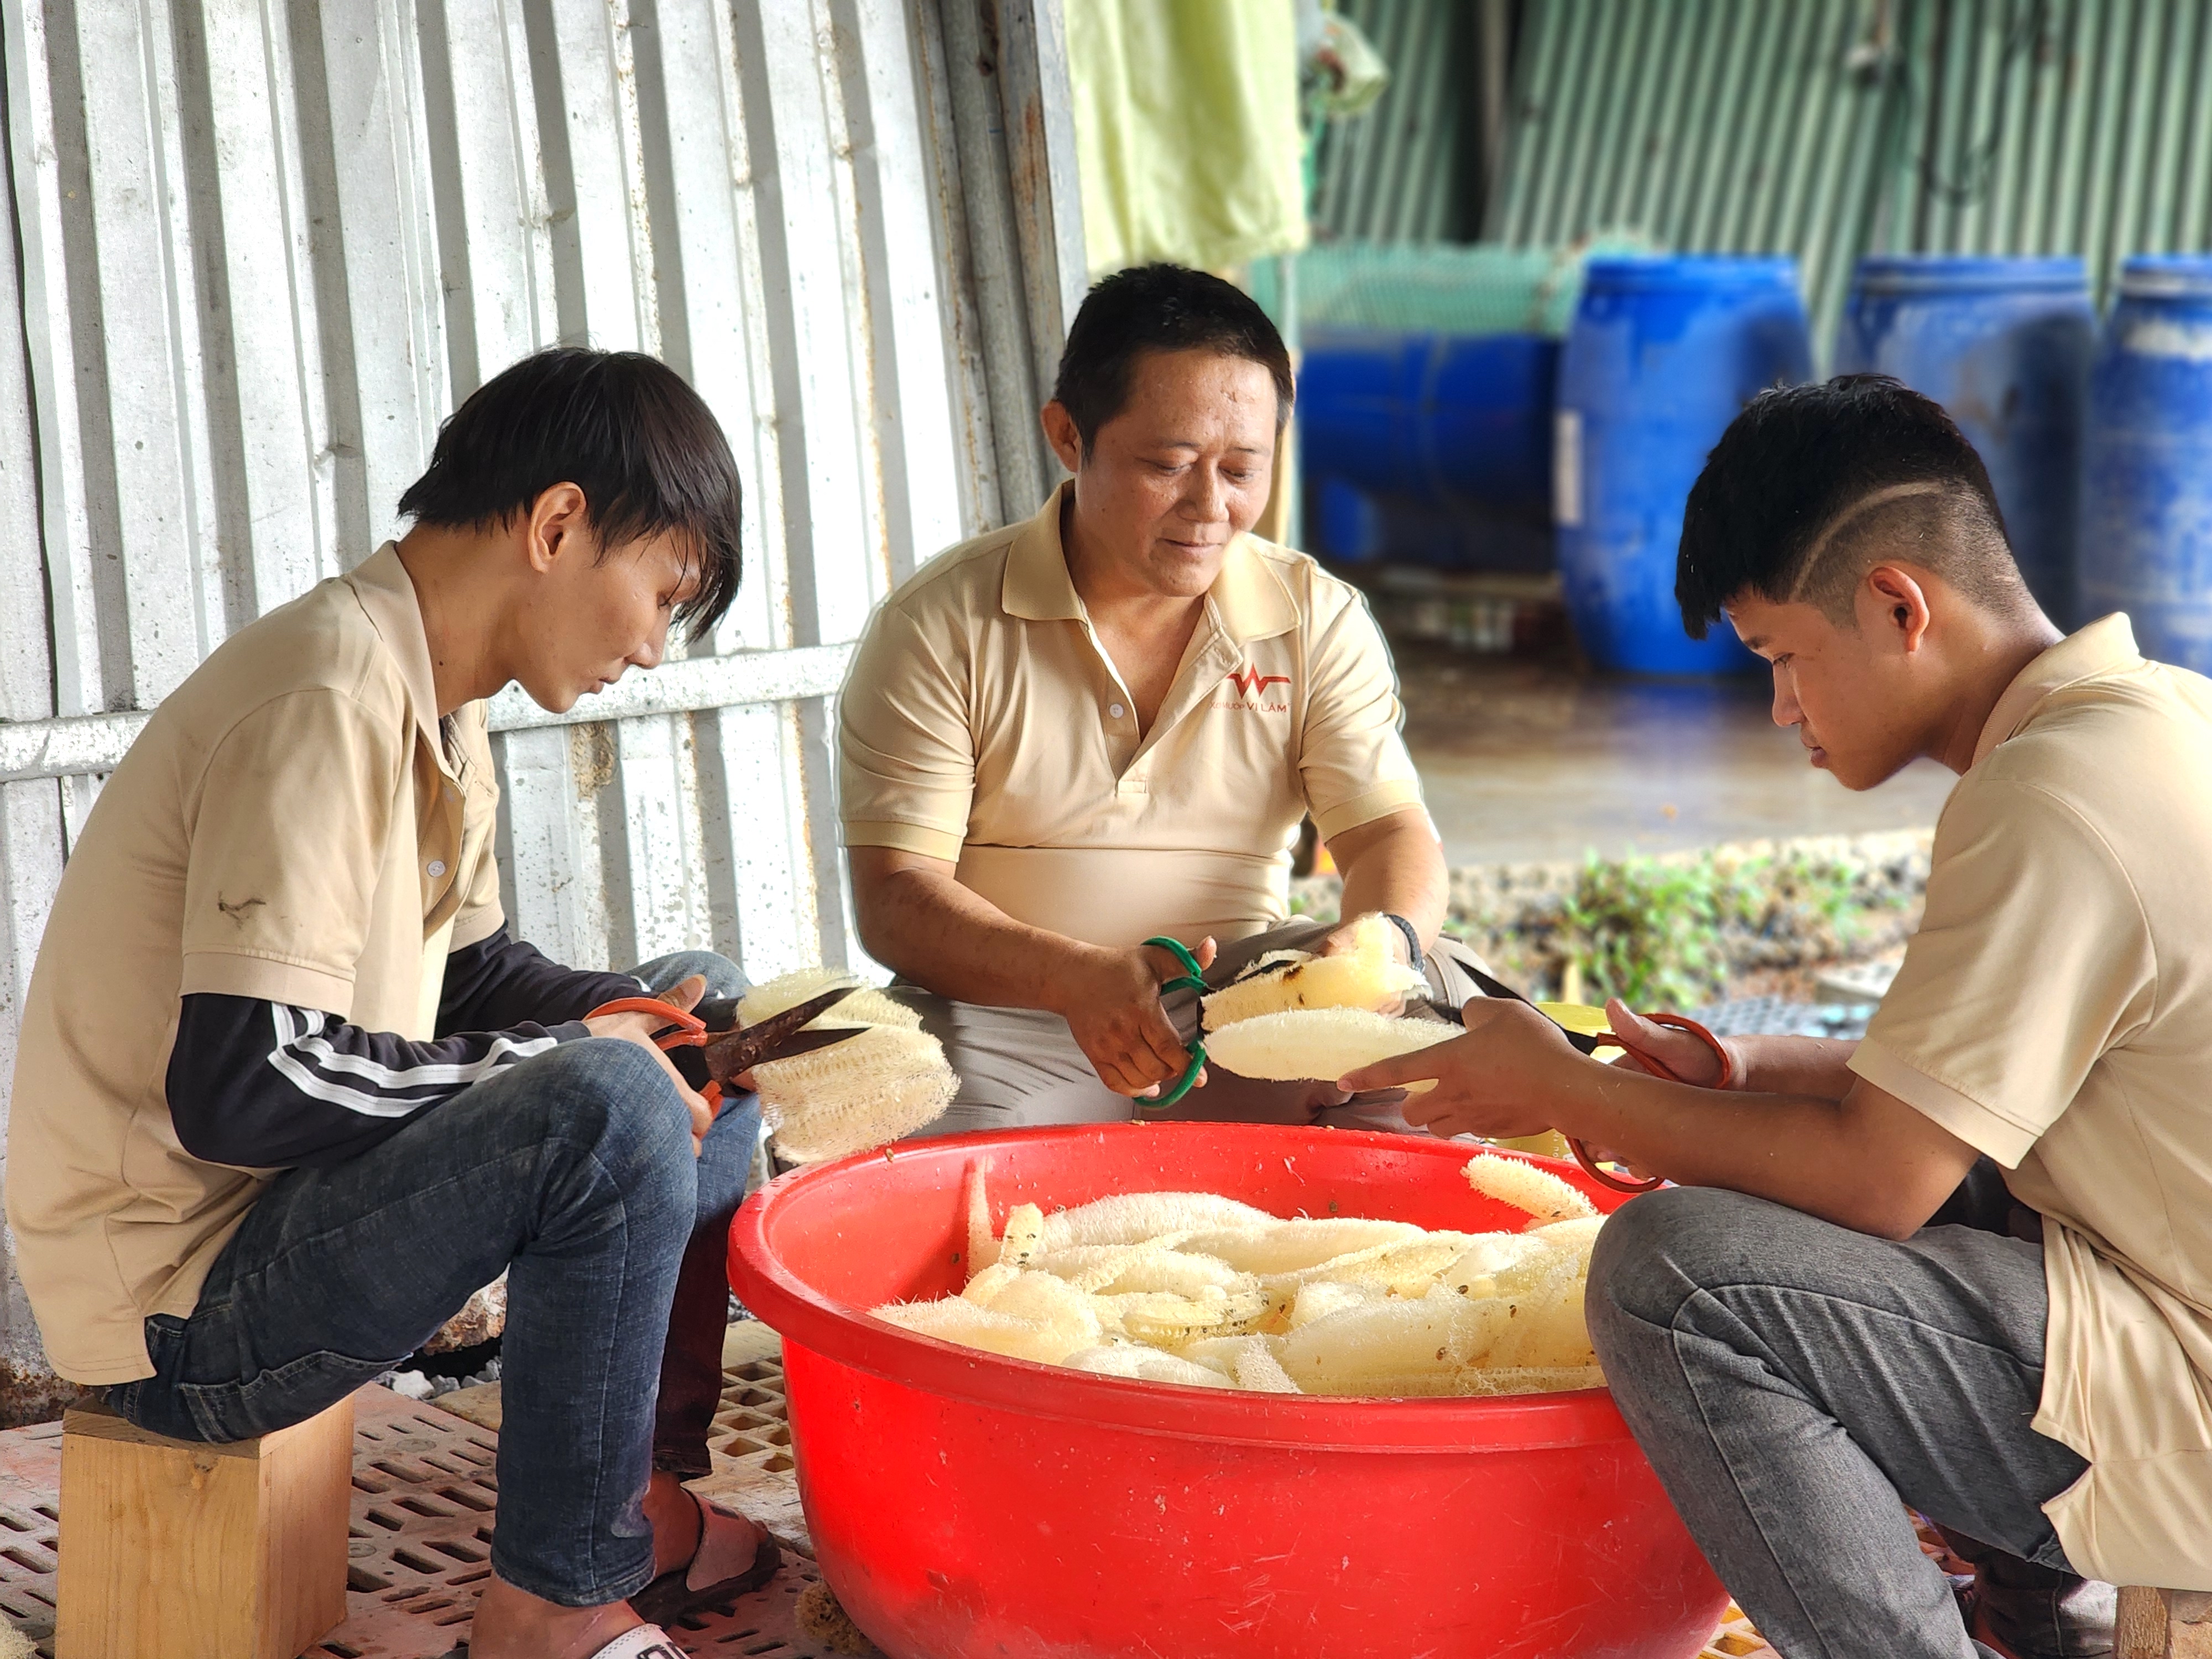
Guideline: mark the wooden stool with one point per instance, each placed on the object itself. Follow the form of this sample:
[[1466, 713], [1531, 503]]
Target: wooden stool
[[2156, 1624], [200, 1551]]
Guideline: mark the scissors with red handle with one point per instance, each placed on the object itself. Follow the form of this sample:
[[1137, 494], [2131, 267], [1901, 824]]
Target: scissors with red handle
[[732, 1049], [1590, 1042]]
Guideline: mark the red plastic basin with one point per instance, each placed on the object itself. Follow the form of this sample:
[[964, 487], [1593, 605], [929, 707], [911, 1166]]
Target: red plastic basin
[[963, 1506]]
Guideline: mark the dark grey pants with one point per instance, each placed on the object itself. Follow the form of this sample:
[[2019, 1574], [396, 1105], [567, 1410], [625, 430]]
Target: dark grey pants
[[1791, 1381], [1020, 1067]]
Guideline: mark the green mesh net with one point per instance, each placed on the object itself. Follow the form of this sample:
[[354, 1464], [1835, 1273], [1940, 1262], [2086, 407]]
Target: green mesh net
[[1438, 288]]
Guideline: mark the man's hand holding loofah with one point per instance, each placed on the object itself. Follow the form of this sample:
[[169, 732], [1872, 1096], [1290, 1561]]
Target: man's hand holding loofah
[[640, 1027], [1496, 1081], [1111, 1002]]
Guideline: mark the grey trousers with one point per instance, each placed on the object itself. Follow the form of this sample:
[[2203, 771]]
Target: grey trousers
[[1791, 1381], [1019, 1068]]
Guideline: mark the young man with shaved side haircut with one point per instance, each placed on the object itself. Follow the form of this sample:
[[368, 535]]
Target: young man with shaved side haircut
[[1105, 724], [1966, 1262]]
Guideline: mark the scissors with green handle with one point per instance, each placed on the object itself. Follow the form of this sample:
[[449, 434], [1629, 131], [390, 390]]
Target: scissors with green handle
[[1192, 978]]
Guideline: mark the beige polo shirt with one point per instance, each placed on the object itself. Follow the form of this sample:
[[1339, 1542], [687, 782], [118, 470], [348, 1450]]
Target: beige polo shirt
[[983, 723], [2055, 1011], [289, 826]]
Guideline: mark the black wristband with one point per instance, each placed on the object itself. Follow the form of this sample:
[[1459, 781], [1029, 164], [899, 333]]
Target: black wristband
[[1412, 937]]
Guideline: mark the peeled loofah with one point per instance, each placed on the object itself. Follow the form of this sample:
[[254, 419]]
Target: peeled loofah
[[863, 1007], [1370, 977], [1168, 1288], [1137, 1217], [1322, 1043], [867, 1091], [1539, 1192]]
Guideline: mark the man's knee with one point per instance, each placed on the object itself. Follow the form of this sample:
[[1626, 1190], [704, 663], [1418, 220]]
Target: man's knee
[[1659, 1251], [723, 978], [611, 1101]]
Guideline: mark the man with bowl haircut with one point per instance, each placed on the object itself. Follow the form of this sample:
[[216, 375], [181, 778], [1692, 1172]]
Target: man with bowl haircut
[[1106, 723], [1967, 1261], [289, 1091]]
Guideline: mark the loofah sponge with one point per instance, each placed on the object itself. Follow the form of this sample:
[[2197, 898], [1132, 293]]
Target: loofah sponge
[[1370, 976], [863, 1007], [1323, 1043], [1189, 1288], [885, 1083], [1524, 1187]]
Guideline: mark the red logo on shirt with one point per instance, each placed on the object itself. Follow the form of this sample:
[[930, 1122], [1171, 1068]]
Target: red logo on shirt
[[1247, 691], [1251, 683]]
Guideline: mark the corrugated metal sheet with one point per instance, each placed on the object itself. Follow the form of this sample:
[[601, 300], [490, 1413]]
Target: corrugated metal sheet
[[1719, 126], [264, 249], [1409, 169], [1828, 128], [2056, 126]]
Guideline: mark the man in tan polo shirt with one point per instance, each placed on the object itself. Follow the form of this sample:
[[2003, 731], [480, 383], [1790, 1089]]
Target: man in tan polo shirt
[[1966, 1261], [1105, 724], [288, 1091]]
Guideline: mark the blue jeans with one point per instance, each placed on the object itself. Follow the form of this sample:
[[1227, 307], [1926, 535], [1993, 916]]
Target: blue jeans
[[572, 1172], [1791, 1380]]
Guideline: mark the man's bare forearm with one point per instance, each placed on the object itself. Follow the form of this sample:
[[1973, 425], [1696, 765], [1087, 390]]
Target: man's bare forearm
[[1817, 1067], [928, 928], [1864, 1161], [1395, 865]]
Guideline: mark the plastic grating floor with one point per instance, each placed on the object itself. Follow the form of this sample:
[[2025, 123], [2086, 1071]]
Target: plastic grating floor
[[424, 1497], [424, 1502]]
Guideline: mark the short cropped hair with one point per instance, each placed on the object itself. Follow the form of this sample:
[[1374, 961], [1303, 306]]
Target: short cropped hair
[[625, 429], [1159, 308], [1813, 485]]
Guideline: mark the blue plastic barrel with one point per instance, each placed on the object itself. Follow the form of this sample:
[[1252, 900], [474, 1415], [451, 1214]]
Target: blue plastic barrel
[[2146, 542], [1449, 421], [2004, 345], [1662, 355]]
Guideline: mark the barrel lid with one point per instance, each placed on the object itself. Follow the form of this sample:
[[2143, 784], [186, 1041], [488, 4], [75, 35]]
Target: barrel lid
[[2155, 275], [1951, 273], [1691, 271]]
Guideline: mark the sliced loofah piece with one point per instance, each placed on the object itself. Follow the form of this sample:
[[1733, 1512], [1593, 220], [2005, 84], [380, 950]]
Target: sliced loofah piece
[[885, 1083], [1143, 1364], [1539, 1192], [957, 1321], [1141, 1217], [1019, 1244], [863, 1007], [1286, 1247], [1371, 976], [982, 1245], [1323, 1043]]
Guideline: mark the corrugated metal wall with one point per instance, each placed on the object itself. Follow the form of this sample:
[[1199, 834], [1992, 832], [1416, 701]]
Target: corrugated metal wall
[[1827, 128], [265, 248]]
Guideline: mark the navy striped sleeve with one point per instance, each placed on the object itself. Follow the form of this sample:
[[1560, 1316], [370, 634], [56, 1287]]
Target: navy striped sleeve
[[266, 1085]]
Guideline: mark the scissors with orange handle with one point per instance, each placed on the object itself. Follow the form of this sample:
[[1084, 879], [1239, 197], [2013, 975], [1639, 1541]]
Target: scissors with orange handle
[[732, 1049]]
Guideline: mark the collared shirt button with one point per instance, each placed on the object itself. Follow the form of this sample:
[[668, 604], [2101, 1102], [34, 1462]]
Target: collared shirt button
[[1116, 710], [436, 867]]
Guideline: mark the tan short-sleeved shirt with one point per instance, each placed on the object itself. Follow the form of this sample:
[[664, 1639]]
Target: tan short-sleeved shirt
[[290, 827], [983, 723], [2055, 1011]]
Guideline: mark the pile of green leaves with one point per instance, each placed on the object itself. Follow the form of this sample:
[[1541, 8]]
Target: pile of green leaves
[[1667, 932]]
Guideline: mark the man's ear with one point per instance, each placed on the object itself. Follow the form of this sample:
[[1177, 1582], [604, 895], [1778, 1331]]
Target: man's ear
[[1892, 600], [1060, 432], [558, 518]]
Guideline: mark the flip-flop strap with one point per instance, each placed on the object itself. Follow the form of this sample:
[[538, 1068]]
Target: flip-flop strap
[[645, 1642], [716, 1524]]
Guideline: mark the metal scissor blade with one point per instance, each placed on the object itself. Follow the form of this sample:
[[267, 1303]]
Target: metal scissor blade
[[779, 1036], [1582, 1041]]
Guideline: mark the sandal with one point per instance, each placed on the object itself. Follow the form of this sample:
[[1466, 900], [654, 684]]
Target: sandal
[[645, 1642], [702, 1582]]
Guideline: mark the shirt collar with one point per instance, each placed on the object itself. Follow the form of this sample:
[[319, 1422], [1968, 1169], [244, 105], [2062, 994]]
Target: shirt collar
[[2105, 647], [1249, 599], [386, 594]]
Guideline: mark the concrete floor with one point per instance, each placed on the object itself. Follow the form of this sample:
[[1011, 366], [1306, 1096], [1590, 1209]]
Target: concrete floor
[[1526, 759]]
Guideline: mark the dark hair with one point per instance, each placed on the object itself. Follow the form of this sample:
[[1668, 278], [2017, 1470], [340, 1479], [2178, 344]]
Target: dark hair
[[1810, 484], [625, 429], [1159, 308]]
